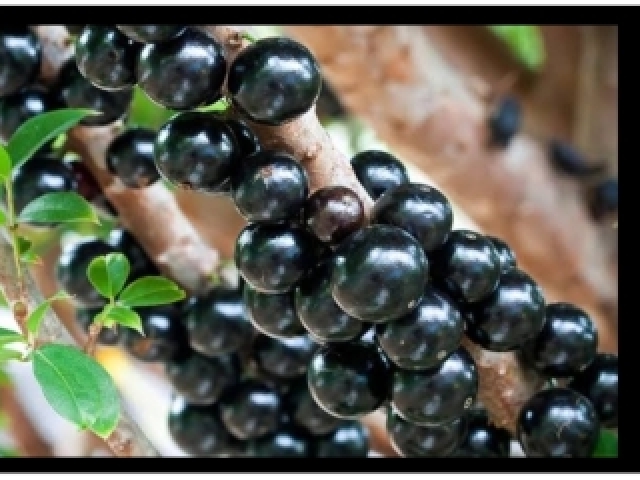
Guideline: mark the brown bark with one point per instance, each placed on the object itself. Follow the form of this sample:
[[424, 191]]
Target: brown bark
[[27, 438]]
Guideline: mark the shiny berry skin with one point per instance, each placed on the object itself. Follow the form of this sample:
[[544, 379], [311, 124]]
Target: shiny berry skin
[[349, 440], [287, 442], [439, 395], [75, 91], [197, 429], [319, 313], [467, 266], [107, 336], [505, 254], [424, 337], [217, 322], [164, 335], [151, 33], [305, 412], [130, 157], [333, 213], [201, 380], [599, 383], [378, 171], [87, 186], [182, 73], [284, 358], [603, 198], [20, 58], [349, 381], [273, 258], [21, 106], [250, 410], [484, 440], [246, 139], [410, 440], [511, 316], [272, 314], [195, 150], [379, 274], [41, 175], [505, 120], [269, 186], [420, 210], [568, 160], [274, 80], [567, 343], [71, 270], [106, 57], [558, 422]]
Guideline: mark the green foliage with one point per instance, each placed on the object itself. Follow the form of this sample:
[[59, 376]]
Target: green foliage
[[5, 164], [58, 207], [151, 291], [37, 315], [524, 41], [9, 336], [145, 112], [607, 444], [3, 299], [108, 274], [121, 315], [77, 387]]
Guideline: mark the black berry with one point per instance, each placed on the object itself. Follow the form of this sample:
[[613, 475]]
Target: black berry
[[349, 440], [510, 316], [164, 335], [272, 314], [130, 157], [378, 171], [246, 139], [21, 106], [287, 442], [379, 274], [87, 186], [599, 383], [504, 122], [274, 80], [505, 254], [284, 358], [333, 213], [603, 198], [558, 422], [305, 412], [20, 57], [483, 439], [151, 33], [569, 161], [107, 336], [183, 73]]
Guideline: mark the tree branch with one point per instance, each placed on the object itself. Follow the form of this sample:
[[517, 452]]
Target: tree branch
[[28, 440]]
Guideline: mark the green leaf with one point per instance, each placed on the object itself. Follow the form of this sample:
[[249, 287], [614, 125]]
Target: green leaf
[[5, 164], [9, 453], [37, 131], [524, 41], [123, 316], [35, 318], [108, 274], [4, 378], [150, 291], [59, 207], [3, 299], [7, 354], [9, 336], [144, 112], [77, 387], [3, 218], [219, 106], [607, 445]]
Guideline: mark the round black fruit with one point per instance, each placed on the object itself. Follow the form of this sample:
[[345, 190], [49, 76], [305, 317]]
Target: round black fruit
[[505, 254], [333, 213], [349, 381], [274, 80], [287, 442], [439, 395], [107, 336], [568, 160], [504, 122], [349, 440], [164, 335], [151, 33], [558, 422], [195, 150], [467, 266], [21, 106], [273, 314], [183, 73], [285, 358], [106, 57], [483, 439], [599, 383], [603, 198], [567, 343], [20, 57], [305, 412], [130, 157], [269, 186], [510, 316], [425, 336], [420, 210], [246, 139], [379, 274], [411, 440], [273, 258], [378, 171]]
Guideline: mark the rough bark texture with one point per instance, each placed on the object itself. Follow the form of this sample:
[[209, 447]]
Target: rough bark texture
[[392, 77]]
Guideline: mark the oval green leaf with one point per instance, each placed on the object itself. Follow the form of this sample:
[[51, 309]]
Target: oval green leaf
[[124, 316], [108, 274], [77, 387], [524, 41], [9, 336], [37, 131], [3, 218], [5, 164], [35, 318], [150, 291], [59, 207]]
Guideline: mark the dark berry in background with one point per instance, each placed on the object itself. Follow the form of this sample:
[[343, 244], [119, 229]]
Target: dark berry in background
[[378, 171], [599, 383], [568, 160], [151, 33], [107, 336], [379, 274], [467, 266], [272, 314], [246, 139], [183, 73], [505, 121], [20, 57], [566, 344], [603, 198], [420, 210], [288, 442], [269, 186], [130, 157], [305, 412], [195, 150], [349, 440], [333, 213], [87, 186], [274, 80], [483, 439], [424, 337], [349, 381], [512, 315], [285, 358], [21, 106], [505, 254], [558, 422], [106, 57], [439, 395], [164, 335]]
